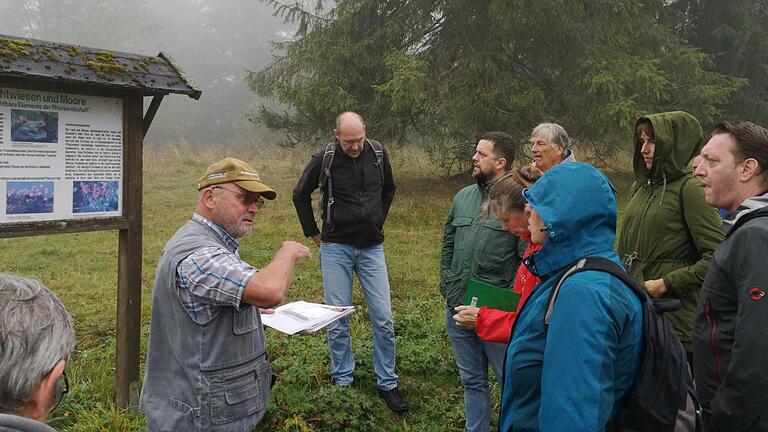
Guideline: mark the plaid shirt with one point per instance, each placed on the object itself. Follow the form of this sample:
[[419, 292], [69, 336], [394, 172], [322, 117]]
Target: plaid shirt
[[212, 277]]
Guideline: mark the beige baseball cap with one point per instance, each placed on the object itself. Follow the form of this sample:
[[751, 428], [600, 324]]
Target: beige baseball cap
[[231, 170]]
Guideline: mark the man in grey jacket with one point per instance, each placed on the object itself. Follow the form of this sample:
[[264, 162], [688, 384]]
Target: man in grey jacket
[[207, 367], [729, 343], [36, 340]]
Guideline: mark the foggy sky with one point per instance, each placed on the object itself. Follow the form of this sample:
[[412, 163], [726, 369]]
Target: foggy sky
[[213, 41]]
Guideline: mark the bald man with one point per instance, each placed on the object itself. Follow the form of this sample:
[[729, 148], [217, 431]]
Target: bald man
[[355, 179]]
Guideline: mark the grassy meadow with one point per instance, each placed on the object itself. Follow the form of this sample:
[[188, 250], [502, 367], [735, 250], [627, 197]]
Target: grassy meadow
[[82, 270]]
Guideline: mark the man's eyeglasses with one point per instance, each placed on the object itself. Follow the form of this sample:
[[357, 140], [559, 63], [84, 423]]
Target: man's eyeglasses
[[246, 198], [62, 388]]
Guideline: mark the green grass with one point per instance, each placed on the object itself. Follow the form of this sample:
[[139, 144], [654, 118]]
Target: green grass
[[82, 270]]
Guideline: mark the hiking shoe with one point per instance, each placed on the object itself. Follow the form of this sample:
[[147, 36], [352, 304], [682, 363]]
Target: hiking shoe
[[342, 383], [394, 400]]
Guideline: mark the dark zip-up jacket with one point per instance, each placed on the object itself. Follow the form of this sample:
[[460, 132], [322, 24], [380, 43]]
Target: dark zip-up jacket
[[730, 340], [362, 197], [668, 230]]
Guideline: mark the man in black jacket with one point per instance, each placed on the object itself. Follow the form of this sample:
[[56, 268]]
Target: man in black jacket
[[729, 342], [357, 189]]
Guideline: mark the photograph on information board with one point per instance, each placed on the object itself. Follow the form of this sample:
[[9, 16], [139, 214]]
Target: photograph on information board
[[29, 197], [94, 196], [34, 126]]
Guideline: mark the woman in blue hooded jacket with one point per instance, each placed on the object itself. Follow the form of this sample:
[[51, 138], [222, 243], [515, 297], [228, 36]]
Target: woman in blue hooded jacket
[[574, 375]]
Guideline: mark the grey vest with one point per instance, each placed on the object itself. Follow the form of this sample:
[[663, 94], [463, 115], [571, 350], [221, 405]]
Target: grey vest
[[14, 423], [209, 377]]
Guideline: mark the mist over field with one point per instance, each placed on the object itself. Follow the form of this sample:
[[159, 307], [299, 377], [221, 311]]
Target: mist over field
[[430, 77], [215, 42]]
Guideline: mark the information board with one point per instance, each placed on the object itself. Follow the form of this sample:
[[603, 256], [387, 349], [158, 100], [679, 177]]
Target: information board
[[61, 156]]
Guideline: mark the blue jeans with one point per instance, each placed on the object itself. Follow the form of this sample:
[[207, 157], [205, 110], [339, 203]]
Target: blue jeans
[[337, 262], [472, 358]]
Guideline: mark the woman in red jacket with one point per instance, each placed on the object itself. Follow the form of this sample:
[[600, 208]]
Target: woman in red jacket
[[506, 203]]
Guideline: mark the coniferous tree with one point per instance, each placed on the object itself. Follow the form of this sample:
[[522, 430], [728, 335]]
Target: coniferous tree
[[448, 70]]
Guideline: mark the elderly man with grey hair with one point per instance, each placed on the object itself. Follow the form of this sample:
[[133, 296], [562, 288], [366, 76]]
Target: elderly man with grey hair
[[36, 340], [550, 146]]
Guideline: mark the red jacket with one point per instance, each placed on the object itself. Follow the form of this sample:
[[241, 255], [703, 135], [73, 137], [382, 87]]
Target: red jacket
[[494, 325]]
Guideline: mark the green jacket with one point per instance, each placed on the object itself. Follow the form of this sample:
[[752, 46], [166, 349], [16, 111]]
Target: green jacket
[[668, 231], [475, 247]]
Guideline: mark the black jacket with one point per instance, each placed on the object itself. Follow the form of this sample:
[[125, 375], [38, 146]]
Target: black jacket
[[730, 342], [362, 197]]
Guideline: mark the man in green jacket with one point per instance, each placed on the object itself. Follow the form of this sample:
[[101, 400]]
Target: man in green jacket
[[668, 232], [475, 247]]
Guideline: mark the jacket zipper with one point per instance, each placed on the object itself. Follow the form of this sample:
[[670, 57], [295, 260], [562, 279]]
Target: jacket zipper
[[713, 340], [361, 192], [629, 260]]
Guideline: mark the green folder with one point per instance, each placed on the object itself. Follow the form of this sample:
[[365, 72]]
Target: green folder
[[491, 296]]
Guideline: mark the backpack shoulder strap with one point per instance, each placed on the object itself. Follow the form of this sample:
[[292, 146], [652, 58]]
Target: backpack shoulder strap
[[595, 264], [325, 165], [377, 147], [379, 150], [325, 175]]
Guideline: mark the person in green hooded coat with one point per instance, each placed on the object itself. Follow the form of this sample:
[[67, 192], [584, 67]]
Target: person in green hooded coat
[[669, 233]]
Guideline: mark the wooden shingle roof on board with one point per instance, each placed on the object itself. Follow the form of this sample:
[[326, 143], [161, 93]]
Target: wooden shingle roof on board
[[58, 62]]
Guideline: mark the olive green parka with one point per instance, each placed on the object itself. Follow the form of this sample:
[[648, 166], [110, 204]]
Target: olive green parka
[[668, 231]]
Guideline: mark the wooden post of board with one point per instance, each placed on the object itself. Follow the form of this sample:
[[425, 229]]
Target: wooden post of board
[[129, 249]]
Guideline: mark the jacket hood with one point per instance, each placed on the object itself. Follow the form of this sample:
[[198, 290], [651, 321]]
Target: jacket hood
[[748, 206], [678, 137], [577, 204]]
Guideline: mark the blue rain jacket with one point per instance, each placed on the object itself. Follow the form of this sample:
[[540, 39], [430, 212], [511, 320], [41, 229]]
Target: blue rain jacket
[[574, 376]]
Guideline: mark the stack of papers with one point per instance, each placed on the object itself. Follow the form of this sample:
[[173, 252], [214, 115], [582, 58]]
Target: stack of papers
[[304, 317]]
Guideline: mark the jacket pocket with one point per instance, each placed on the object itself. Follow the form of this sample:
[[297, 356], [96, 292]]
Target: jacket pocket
[[493, 224], [183, 408], [712, 320], [492, 236], [461, 240], [245, 321], [461, 222], [239, 391]]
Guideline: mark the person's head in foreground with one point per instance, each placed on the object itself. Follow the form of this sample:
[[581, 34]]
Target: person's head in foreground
[[574, 373], [506, 201], [231, 193], [549, 145], [494, 156], [665, 143], [36, 340], [734, 163], [572, 209]]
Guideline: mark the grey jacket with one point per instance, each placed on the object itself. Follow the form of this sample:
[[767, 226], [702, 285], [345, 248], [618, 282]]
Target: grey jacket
[[13, 423], [210, 377], [729, 342]]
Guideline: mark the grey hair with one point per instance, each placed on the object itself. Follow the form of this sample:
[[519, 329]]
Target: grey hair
[[556, 136], [36, 333]]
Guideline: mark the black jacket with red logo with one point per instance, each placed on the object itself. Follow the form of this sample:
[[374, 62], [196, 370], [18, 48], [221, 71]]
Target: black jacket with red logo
[[731, 329]]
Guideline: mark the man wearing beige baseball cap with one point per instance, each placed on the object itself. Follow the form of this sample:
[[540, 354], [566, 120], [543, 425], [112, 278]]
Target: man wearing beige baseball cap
[[207, 367]]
